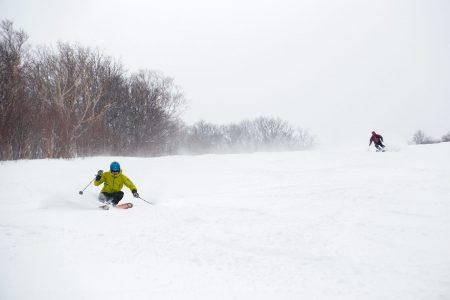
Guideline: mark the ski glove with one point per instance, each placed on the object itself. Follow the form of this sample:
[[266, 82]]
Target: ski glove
[[99, 175], [135, 193]]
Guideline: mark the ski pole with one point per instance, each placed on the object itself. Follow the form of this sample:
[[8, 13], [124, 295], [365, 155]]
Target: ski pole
[[81, 192], [145, 201]]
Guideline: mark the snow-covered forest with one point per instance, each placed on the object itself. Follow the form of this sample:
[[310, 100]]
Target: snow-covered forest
[[72, 101]]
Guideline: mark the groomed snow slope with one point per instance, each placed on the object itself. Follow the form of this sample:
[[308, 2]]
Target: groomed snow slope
[[344, 224]]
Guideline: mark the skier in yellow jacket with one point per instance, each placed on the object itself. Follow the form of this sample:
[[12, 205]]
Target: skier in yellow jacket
[[113, 183]]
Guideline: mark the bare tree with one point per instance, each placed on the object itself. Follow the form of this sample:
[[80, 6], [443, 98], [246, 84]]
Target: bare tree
[[239, 137], [73, 101], [205, 138], [446, 138], [273, 133], [149, 116], [421, 138], [70, 83], [261, 134], [14, 115], [303, 139]]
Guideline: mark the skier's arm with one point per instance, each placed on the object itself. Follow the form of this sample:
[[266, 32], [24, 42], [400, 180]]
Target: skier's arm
[[381, 138], [370, 141], [129, 183]]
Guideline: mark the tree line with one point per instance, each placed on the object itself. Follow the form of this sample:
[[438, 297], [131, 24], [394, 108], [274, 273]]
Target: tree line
[[421, 138], [72, 101], [260, 134]]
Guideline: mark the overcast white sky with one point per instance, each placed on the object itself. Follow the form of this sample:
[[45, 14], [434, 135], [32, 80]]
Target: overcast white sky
[[339, 68]]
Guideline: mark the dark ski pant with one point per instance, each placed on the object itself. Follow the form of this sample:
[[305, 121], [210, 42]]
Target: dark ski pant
[[113, 198], [379, 146]]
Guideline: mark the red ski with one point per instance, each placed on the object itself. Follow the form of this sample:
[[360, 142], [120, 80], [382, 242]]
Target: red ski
[[123, 206]]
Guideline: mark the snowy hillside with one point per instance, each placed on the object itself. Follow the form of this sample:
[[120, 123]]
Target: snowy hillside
[[347, 224]]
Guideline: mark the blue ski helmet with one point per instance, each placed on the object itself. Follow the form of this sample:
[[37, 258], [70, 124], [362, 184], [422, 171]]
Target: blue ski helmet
[[114, 167]]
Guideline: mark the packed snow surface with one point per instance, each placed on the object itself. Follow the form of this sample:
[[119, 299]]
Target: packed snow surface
[[343, 224]]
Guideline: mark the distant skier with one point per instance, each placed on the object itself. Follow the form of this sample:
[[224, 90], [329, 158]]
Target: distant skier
[[113, 183], [377, 141]]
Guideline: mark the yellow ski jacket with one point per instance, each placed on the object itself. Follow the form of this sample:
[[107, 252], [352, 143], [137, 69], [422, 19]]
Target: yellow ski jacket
[[114, 182]]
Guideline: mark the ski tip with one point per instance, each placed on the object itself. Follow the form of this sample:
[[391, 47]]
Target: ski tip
[[124, 205]]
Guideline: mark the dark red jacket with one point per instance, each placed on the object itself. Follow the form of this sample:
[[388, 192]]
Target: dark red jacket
[[375, 138]]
